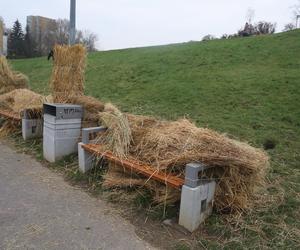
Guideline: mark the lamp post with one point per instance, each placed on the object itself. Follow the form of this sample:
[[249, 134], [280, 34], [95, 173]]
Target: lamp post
[[72, 22]]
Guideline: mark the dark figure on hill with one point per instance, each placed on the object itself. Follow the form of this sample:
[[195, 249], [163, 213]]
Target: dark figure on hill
[[51, 55]]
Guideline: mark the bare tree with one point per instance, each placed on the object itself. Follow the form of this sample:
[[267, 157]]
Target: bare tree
[[296, 9], [225, 36], [208, 38], [248, 30], [49, 38], [264, 28], [62, 31], [289, 27], [79, 37], [296, 13], [58, 33], [89, 40]]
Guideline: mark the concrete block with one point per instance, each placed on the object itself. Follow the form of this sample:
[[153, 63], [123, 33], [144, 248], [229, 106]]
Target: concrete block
[[196, 205], [32, 128], [85, 159], [87, 131], [192, 171], [55, 149], [60, 137]]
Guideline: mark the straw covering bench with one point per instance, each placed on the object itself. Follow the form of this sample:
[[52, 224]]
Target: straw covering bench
[[197, 195]]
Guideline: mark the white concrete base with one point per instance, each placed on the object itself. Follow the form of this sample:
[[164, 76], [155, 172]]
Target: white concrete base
[[196, 205], [32, 128], [85, 159], [60, 137], [55, 149]]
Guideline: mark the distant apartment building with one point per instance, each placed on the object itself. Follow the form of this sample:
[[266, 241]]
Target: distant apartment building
[[41, 30], [3, 40]]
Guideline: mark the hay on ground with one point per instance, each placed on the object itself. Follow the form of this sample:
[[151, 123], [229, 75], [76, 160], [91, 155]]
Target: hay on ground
[[119, 177], [9, 79], [18, 100], [238, 168], [91, 106], [67, 78]]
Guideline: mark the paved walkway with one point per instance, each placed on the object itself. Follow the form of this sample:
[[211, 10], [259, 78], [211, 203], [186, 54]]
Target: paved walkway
[[39, 210]]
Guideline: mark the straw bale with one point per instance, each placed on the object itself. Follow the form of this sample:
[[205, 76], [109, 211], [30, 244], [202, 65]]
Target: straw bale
[[67, 82], [67, 78], [9, 79], [18, 100], [238, 168]]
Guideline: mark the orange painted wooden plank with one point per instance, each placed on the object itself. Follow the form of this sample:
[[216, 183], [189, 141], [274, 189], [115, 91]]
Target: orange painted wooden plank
[[10, 115], [161, 176]]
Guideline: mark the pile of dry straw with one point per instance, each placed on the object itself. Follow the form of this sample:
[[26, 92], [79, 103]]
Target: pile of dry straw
[[238, 168], [15, 102], [14, 98], [18, 99], [13, 95], [10, 80]]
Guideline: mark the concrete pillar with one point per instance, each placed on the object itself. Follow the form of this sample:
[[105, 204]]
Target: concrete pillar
[[196, 198], [85, 159], [32, 128], [32, 125], [62, 129]]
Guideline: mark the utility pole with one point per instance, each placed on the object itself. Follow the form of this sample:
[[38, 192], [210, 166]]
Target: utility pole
[[72, 22], [297, 18]]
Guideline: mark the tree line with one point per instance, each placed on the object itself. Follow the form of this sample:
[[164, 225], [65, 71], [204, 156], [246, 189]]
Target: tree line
[[25, 45], [261, 27]]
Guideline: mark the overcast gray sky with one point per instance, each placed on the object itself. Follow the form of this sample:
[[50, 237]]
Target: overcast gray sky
[[133, 23]]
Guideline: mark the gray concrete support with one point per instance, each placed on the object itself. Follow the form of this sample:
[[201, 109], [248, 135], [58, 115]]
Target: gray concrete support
[[197, 198]]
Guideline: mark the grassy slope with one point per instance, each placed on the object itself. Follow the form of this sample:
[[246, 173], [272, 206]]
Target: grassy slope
[[248, 88]]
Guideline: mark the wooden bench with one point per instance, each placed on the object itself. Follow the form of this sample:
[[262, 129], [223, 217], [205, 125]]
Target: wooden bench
[[87, 150], [197, 195], [135, 166]]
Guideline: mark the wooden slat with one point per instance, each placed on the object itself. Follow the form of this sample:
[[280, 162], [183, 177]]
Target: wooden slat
[[10, 115], [167, 179]]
